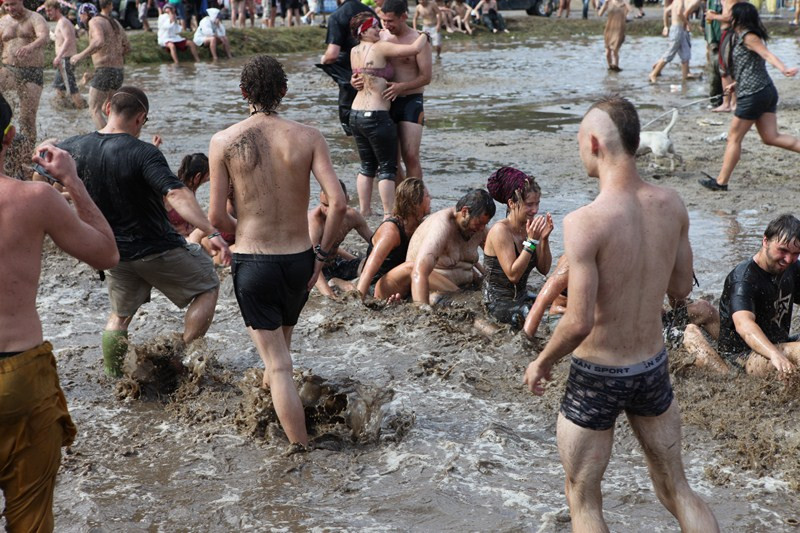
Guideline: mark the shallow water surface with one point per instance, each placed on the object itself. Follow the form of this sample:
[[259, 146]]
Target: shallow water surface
[[480, 454]]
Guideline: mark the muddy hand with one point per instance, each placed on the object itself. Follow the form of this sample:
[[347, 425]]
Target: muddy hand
[[221, 246], [56, 162], [535, 227], [534, 377]]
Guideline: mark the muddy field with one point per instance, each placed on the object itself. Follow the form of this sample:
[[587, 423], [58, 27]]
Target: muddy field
[[419, 421]]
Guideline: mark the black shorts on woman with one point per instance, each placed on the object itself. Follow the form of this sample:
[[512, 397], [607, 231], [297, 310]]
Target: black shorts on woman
[[375, 134]]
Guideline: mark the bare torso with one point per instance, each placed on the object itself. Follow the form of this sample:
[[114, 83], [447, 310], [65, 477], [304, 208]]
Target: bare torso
[[65, 46], [677, 12], [20, 328], [405, 68], [637, 232], [455, 257], [316, 225], [427, 13], [19, 32], [115, 43], [365, 55], [269, 160]]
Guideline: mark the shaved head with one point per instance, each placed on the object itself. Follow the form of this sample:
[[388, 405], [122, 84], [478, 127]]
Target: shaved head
[[615, 123]]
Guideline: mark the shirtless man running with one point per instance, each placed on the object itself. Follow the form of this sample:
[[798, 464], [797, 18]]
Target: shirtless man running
[[680, 40], [66, 47], [411, 75], [268, 160], [35, 419], [108, 46], [626, 249], [24, 34], [443, 252]]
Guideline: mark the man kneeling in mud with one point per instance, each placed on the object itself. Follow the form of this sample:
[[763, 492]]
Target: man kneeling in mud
[[756, 309], [33, 411], [269, 159], [443, 253]]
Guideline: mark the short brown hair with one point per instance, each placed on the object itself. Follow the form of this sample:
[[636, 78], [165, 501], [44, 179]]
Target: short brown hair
[[129, 101], [52, 4], [624, 116]]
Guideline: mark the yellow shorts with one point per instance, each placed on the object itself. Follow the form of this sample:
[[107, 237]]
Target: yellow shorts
[[35, 425]]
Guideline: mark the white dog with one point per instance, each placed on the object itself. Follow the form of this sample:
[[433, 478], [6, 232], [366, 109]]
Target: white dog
[[659, 143]]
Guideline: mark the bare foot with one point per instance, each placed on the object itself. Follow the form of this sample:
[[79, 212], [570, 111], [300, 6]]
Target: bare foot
[[723, 108], [652, 78], [394, 299]]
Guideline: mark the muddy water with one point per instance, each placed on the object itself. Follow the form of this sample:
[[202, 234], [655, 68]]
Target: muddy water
[[460, 446]]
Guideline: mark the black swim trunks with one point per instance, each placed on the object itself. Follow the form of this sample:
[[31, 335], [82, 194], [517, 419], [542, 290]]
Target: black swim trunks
[[271, 289], [107, 78], [342, 268], [59, 84], [408, 109], [596, 394], [27, 74]]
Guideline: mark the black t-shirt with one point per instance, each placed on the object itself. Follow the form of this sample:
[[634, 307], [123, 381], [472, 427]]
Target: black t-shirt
[[339, 28], [127, 179], [770, 298]]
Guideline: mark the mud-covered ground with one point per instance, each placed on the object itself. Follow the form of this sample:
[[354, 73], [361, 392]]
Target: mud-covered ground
[[419, 420]]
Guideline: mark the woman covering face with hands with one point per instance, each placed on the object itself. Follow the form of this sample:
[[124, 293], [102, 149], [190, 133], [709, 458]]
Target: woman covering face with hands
[[514, 246]]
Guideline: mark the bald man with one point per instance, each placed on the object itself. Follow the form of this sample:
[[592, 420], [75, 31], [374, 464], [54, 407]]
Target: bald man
[[626, 250]]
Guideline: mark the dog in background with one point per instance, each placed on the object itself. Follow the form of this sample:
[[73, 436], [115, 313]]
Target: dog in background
[[659, 143]]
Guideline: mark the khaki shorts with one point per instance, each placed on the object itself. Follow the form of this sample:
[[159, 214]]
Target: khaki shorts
[[181, 274], [35, 425]]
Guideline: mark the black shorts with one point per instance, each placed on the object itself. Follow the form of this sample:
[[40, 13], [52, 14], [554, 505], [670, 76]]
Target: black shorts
[[271, 289], [408, 109], [59, 84], [596, 394], [24, 75], [376, 139], [342, 268], [107, 79], [752, 106]]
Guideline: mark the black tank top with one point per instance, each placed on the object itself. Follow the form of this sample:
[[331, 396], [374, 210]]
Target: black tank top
[[497, 286], [398, 254]]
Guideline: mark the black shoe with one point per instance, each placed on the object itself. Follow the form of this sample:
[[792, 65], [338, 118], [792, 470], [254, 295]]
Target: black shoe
[[711, 184]]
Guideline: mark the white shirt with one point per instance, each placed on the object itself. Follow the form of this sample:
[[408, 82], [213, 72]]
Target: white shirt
[[207, 29], [168, 31]]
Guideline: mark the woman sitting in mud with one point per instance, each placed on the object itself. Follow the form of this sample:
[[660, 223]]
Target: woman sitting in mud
[[389, 244], [194, 172], [374, 130], [510, 252]]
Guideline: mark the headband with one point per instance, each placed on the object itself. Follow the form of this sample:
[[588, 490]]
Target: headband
[[372, 22]]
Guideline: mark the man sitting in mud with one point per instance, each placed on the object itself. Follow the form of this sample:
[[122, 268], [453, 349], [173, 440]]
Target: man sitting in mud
[[128, 179], [108, 46], [756, 309], [268, 160], [34, 417], [443, 253], [24, 35], [340, 265]]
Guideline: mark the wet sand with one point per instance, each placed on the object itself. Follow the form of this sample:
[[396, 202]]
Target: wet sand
[[420, 421]]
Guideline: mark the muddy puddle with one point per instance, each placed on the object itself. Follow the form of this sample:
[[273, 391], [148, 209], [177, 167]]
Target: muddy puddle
[[421, 420]]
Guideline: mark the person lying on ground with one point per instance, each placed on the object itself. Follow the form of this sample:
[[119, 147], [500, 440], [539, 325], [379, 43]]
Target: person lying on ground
[[511, 251], [553, 295], [756, 309]]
